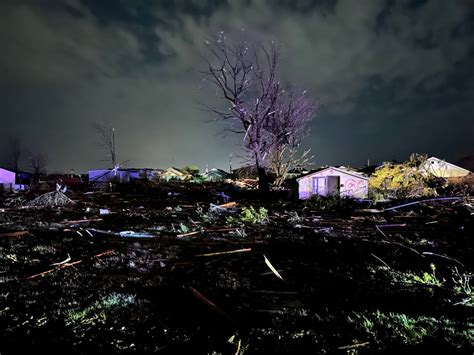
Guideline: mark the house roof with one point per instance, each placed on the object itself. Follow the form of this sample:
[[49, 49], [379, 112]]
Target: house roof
[[340, 169], [447, 163], [216, 171], [175, 171]]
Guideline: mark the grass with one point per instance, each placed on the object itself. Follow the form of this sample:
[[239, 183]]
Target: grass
[[385, 328], [97, 312]]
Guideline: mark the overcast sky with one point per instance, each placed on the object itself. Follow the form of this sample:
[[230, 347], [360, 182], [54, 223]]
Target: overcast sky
[[392, 77]]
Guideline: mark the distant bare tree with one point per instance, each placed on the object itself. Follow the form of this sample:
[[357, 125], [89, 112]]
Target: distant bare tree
[[106, 135], [282, 161], [38, 163], [269, 117], [16, 154]]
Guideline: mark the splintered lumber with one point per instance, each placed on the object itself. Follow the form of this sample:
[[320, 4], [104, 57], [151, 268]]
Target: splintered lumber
[[226, 252], [228, 205], [211, 305], [277, 274], [83, 221], [17, 234], [187, 234], [353, 346], [63, 266]]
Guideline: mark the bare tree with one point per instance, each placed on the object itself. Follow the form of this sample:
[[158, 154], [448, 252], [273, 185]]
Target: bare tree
[[283, 160], [106, 135], [16, 154], [38, 163], [269, 117]]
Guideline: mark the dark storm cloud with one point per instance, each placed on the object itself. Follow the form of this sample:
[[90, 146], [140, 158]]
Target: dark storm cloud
[[393, 77]]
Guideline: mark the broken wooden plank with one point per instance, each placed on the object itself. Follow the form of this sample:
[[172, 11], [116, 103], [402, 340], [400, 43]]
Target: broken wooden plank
[[17, 234], [226, 252], [63, 266], [277, 274], [212, 305]]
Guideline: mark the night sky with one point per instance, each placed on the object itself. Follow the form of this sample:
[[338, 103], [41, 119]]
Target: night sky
[[392, 77]]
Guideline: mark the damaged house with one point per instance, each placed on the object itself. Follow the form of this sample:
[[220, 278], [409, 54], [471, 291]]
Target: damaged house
[[215, 174], [441, 168], [9, 180], [173, 173], [120, 175], [333, 181]]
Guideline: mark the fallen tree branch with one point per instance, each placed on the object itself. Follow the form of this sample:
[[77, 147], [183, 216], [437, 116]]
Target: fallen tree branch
[[443, 257]]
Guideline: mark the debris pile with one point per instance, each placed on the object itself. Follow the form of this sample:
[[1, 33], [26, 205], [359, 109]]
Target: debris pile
[[51, 199]]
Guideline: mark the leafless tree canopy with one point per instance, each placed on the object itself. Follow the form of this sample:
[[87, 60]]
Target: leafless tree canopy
[[38, 163], [16, 154], [106, 135], [269, 115]]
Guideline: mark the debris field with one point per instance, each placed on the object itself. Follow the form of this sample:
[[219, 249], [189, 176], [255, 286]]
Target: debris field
[[176, 270]]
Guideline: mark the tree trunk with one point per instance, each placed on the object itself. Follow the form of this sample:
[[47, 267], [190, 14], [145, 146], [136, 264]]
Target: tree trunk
[[263, 186]]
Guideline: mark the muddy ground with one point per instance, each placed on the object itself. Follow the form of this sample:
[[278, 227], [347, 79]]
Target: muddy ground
[[326, 276]]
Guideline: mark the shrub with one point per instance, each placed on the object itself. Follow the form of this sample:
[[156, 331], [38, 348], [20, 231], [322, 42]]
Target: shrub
[[249, 215], [400, 181]]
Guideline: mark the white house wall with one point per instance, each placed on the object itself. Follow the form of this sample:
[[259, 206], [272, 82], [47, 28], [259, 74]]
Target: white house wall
[[350, 185], [7, 179]]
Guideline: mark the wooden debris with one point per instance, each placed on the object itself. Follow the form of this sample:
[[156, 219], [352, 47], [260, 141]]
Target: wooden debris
[[229, 204], [277, 274], [211, 304], [422, 201], [226, 252], [443, 257], [188, 234], [354, 346], [63, 266], [68, 259], [17, 234]]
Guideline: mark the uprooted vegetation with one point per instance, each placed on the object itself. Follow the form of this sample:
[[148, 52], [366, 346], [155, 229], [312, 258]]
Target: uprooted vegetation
[[175, 270]]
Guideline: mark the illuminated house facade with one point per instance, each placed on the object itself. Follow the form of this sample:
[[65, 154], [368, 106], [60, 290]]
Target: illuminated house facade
[[333, 181], [9, 180]]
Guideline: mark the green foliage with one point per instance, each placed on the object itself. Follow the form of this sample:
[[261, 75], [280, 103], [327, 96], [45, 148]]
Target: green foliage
[[399, 327], [249, 215], [462, 287], [411, 278], [191, 169], [206, 217], [401, 181], [97, 312], [428, 278]]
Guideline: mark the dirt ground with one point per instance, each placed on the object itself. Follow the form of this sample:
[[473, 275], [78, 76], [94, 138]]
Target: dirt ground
[[184, 276]]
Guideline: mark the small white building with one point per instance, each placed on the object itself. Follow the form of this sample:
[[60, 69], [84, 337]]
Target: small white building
[[440, 168], [7, 179], [333, 181]]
